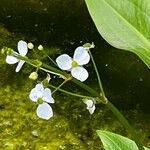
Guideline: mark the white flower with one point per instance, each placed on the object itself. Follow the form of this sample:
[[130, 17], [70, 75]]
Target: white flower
[[81, 57], [90, 105], [22, 49], [43, 97]]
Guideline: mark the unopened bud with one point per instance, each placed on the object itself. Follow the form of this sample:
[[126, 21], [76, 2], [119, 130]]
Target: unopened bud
[[38, 63], [10, 51], [33, 76], [46, 80], [89, 45], [30, 46], [4, 50], [40, 47]]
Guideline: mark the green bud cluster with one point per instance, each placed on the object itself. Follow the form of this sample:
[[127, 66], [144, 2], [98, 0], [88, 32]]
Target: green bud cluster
[[7, 51]]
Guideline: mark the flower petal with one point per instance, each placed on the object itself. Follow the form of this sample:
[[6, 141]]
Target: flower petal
[[81, 56], [80, 73], [47, 97], [34, 95], [92, 109], [64, 62], [44, 111], [19, 66], [11, 59], [89, 103], [22, 48], [39, 87]]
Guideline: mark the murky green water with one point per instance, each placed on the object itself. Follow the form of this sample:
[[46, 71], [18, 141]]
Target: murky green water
[[61, 27]]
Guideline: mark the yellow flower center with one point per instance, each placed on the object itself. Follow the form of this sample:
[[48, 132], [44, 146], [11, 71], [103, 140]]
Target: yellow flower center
[[74, 64], [40, 101]]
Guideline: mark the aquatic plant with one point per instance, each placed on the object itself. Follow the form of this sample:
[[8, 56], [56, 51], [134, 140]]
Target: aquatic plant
[[124, 25], [42, 95]]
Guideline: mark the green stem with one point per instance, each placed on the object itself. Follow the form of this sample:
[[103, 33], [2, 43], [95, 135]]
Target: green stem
[[97, 73], [44, 52], [116, 112], [69, 93], [60, 86], [129, 128], [32, 63]]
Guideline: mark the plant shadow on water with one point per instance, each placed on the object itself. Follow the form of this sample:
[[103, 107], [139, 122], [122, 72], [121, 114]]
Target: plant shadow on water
[[125, 78]]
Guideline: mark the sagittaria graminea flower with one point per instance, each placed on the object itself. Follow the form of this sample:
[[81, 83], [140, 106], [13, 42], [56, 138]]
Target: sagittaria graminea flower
[[22, 49], [81, 57], [42, 97], [90, 105]]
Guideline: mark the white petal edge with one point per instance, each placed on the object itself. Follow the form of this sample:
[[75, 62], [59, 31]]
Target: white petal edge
[[11, 59], [44, 111], [22, 48], [64, 62], [80, 73], [19, 66], [40, 87], [92, 109], [47, 96], [89, 103], [81, 56], [33, 95]]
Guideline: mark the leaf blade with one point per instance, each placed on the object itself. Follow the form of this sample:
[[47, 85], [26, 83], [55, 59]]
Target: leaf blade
[[112, 141], [124, 24]]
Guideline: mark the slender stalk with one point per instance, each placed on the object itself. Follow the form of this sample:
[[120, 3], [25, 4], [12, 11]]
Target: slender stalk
[[116, 112], [129, 128], [69, 93], [60, 86], [32, 63], [97, 73], [44, 52], [48, 71]]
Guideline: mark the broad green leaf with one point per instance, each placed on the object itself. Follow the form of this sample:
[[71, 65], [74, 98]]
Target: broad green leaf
[[125, 24], [113, 141]]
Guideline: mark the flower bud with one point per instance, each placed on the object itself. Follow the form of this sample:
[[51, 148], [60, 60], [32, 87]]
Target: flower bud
[[38, 63], [40, 47], [33, 76], [30, 46], [46, 80], [88, 45], [4, 50], [10, 51]]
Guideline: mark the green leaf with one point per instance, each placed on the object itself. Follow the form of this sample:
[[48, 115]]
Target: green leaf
[[113, 141], [125, 24]]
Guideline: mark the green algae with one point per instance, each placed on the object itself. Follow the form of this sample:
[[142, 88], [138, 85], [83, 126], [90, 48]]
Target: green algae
[[71, 127]]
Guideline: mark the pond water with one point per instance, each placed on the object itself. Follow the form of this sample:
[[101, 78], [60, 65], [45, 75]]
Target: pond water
[[61, 27]]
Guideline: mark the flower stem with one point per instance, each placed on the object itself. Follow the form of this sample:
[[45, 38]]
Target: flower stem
[[69, 93], [32, 63], [60, 86], [97, 73], [44, 52]]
